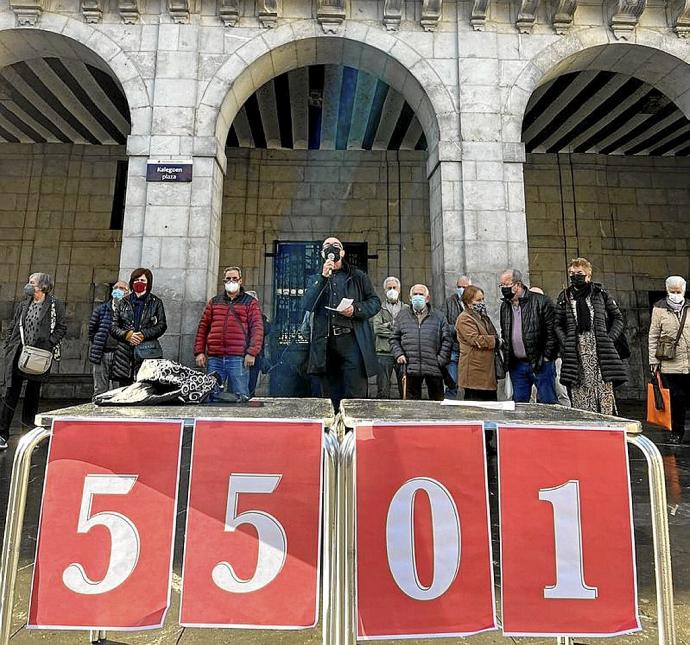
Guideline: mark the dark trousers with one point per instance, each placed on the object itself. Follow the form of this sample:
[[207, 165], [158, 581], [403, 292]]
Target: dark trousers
[[434, 386], [346, 376], [9, 403], [387, 364], [480, 395], [679, 386], [524, 377]]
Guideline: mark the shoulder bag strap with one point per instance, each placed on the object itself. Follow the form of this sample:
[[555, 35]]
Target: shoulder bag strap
[[682, 325], [21, 328], [244, 331]]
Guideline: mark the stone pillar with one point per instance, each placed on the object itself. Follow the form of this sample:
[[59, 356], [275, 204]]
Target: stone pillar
[[174, 228]]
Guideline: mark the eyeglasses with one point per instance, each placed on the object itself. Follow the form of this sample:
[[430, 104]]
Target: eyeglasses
[[511, 285], [231, 279]]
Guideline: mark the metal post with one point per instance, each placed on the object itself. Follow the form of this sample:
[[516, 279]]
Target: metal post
[[662, 545], [14, 523], [346, 550], [329, 597], [97, 635]]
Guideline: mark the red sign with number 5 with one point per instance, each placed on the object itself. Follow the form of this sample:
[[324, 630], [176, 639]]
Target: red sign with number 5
[[105, 540]]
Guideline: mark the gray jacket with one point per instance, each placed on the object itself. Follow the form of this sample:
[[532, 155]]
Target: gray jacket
[[383, 328], [426, 345]]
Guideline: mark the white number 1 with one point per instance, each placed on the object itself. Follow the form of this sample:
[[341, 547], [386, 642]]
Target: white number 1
[[567, 528]]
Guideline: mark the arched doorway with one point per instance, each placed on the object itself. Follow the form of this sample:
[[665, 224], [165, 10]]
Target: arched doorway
[[64, 121], [608, 143]]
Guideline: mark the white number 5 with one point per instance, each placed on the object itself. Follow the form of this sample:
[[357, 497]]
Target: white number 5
[[271, 536], [124, 537]]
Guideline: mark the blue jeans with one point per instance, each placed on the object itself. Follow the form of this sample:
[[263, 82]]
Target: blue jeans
[[523, 377], [452, 369], [232, 370]]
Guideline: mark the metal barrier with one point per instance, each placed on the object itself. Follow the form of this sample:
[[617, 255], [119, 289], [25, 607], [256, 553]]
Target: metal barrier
[[339, 618], [276, 407], [361, 412]]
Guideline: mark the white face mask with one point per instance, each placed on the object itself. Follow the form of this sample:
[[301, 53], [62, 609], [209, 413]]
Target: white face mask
[[393, 295], [676, 298], [232, 287]]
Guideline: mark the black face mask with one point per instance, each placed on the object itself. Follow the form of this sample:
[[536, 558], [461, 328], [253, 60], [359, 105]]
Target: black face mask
[[507, 292], [578, 280], [331, 250]]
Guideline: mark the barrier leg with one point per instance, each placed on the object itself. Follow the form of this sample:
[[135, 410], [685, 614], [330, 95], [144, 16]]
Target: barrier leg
[[662, 545], [329, 593], [14, 523], [346, 550]]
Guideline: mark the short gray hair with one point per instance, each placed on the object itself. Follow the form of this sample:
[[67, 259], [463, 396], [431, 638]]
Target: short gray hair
[[674, 281], [516, 275], [44, 280], [388, 279], [419, 284]]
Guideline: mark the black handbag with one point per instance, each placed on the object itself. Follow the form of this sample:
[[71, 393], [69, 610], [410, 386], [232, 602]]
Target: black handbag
[[499, 363], [148, 349]]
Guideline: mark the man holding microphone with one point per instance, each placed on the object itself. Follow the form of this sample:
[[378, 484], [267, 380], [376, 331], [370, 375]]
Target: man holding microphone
[[341, 351]]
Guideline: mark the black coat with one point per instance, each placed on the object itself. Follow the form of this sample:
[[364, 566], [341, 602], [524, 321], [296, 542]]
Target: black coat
[[44, 338], [452, 309], [608, 325], [99, 330], [366, 304], [538, 329], [426, 346], [152, 326]]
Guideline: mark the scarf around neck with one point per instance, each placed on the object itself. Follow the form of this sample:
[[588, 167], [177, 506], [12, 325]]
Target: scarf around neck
[[584, 319]]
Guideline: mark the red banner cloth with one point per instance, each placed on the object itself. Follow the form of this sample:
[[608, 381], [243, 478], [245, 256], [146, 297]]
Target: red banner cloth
[[423, 546], [104, 551], [253, 525], [568, 558]]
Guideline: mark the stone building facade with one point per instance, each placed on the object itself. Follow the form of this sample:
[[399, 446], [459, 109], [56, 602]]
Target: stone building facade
[[470, 200]]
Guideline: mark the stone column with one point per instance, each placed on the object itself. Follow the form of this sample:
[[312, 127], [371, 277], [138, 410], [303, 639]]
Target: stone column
[[174, 228]]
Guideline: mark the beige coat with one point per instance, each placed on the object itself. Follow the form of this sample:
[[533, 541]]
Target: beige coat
[[477, 337], [665, 324]]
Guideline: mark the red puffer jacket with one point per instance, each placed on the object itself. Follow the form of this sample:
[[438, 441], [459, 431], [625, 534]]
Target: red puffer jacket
[[220, 332]]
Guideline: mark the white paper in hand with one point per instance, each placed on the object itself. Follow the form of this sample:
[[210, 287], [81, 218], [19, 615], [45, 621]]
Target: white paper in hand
[[342, 305]]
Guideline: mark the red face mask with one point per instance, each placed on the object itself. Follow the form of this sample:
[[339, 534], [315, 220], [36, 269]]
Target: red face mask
[[139, 287]]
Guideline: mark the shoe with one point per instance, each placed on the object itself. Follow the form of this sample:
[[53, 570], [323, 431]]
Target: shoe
[[3, 444], [676, 439]]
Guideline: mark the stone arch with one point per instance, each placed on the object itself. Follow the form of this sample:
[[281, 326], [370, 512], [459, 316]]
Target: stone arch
[[652, 58], [296, 45], [61, 36]]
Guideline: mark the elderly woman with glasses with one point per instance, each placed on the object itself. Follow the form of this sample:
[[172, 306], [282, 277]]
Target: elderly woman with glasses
[[39, 321], [669, 350]]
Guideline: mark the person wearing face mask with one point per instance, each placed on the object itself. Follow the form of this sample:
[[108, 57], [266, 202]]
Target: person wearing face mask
[[140, 318], [529, 342], [103, 345], [669, 350], [478, 340], [452, 309], [383, 330], [39, 321], [231, 332], [342, 353], [588, 324], [421, 341]]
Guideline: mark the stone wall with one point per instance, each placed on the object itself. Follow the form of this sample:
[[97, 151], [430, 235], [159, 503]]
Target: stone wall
[[627, 215], [55, 216], [377, 197]]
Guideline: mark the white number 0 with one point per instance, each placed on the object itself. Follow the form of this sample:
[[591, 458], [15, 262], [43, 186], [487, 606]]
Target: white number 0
[[567, 528], [445, 524], [272, 538], [124, 537]]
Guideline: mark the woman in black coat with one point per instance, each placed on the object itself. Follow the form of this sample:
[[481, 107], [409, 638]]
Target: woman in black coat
[[41, 318], [588, 324], [139, 318]]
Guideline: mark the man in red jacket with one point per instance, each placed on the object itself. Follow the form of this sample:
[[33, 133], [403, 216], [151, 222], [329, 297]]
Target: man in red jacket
[[231, 331]]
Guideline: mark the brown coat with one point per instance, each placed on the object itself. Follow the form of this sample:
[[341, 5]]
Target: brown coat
[[477, 336]]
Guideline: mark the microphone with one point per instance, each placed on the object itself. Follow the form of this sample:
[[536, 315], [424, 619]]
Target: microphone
[[331, 256]]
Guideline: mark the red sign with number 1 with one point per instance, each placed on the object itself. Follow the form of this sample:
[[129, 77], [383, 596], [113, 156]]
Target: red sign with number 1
[[105, 540]]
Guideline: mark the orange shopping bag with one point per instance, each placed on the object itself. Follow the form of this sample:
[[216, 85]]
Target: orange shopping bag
[[658, 402]]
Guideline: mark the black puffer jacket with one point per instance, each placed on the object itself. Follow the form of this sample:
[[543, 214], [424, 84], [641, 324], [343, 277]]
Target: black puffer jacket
[[452, 310], [608, 325], [426, 346], [152, 326], [99, 330], [538, 329]]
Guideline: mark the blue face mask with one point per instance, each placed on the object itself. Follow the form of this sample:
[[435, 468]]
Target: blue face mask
[[460, 291], [118, 294], [418, 302]]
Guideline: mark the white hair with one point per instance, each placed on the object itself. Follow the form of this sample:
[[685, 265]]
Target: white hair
[[675, 281], [413, 287], [388, 279]]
